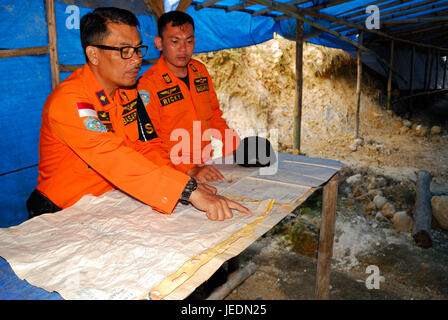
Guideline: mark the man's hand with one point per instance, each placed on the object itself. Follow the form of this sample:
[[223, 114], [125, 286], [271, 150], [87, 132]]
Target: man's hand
[[207, 188], [216, 207], [205, 173]]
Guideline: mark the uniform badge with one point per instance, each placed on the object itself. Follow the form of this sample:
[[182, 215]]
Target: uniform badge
[[193, 68], [145, 96], [93, 124], [102, 97], [167, 78], [85, 109]]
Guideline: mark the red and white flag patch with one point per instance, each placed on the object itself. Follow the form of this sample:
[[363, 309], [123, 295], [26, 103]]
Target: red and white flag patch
[[86, 110]]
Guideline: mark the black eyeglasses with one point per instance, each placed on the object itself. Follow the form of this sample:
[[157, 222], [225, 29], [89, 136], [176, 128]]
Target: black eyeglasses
[[126, 52]]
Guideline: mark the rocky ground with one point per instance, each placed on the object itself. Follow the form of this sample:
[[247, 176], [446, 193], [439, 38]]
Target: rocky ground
[[377, 188]]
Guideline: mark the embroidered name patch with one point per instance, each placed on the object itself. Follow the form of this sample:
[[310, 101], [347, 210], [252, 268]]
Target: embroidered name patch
[[102, 97], [170, 95], [167, 78], [201, 84], [93, 124], [86, 109]]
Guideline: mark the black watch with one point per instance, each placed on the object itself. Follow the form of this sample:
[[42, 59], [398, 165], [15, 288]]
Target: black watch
[[189, 188]]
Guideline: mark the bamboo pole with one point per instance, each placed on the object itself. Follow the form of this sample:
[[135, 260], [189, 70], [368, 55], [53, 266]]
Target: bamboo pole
[[299, 13], [389, 77], [31, 51], [358, 83], [299, 85], [426, 69], [326, 237], [411, 80], [53, 43], [444, 74], [436, 82]]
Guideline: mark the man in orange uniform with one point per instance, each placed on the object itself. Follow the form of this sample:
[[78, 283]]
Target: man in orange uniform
[[180, 99], [89, 135]]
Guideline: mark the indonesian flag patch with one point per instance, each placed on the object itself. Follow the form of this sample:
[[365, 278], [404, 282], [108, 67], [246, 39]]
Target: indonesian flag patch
[[86, 110]]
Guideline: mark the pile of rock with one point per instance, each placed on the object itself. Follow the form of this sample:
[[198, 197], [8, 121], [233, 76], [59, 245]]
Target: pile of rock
[[388, 201]]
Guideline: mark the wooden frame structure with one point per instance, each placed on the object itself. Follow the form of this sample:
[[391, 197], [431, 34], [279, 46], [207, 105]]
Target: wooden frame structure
[[425, 31]]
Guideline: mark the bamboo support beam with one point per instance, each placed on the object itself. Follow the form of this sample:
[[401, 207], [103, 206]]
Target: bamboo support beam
[[358, 83], [183, 5], [326, 237], [411, 80], [430, 71], [389, 77], [31, 51], [444, 74], [299, 86], [53, 44], [298, 13], [73, 67], [436, 81]]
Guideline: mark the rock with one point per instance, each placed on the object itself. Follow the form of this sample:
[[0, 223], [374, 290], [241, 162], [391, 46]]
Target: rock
[[402, 221], [388, 210], [407, 123], [439, 209], [354, 179], [435, 130], [359, 141], [379, 201], [421, 130], [353, 147]]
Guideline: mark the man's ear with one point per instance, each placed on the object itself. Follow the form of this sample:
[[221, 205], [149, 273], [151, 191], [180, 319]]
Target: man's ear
[[158, 43], [92, 55]]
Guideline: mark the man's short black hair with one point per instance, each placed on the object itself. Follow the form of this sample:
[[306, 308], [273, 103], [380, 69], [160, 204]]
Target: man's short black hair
[[177, 18], [93, 26]]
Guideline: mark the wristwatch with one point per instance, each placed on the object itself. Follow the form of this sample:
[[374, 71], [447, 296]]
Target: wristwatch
[[188, 190]]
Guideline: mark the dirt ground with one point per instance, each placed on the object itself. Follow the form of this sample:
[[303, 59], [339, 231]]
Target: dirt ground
[[394, 145]]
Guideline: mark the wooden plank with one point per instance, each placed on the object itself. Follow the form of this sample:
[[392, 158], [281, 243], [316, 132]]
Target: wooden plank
[[73, 67], [31, 51], [411, 80], [358, 83], [299, 14], [389, 77], [326, 238], [156, 7], [297, 114], [53, 43], [206, 4]]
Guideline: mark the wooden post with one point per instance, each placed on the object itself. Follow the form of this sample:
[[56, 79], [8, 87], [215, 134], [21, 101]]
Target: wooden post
[[52, 42], [436, 82], [358, 83], [411, 82], [389, 78], [422, 210], [299, 85], [444, 74], [326, 237]]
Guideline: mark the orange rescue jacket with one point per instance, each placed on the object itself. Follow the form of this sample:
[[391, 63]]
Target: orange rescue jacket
[[171, 105], [89, 145]]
